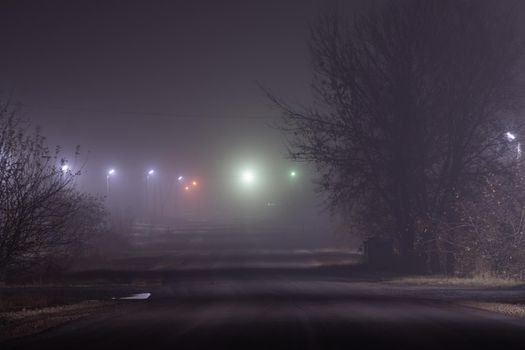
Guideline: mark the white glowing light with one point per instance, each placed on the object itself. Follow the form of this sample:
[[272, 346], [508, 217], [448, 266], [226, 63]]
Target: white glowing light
[[510, 136], [293, 174], [111, 171], [151, 172], [65, 168], [180, 178], [247, 177]]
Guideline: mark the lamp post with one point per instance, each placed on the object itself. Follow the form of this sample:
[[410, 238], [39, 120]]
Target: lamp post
[[249, 181], [294, 200], [110, 173], [150, 173], [148, 202], [511, 137]]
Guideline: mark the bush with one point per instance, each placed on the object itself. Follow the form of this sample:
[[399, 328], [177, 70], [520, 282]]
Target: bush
[[44, 219]]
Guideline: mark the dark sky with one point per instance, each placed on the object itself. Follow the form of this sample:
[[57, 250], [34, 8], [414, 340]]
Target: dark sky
[[164, 84]]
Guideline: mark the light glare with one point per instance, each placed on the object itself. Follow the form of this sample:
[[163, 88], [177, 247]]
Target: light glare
[[510, 136], [247, 177]]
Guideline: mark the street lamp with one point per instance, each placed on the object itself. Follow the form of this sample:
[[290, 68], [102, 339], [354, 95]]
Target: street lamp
[[150, 172], [148, 200], [247, 177], [111, 172], [64, 168], [180, 178], [510, 136], [293, 174]]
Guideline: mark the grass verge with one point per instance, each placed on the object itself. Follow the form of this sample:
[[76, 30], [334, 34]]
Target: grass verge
[[20, 323], [481, 281], [514, 310]]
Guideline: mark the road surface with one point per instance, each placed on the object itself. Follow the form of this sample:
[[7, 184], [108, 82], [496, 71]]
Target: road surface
[[225, 288]]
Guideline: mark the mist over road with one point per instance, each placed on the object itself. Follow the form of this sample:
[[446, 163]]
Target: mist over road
[[223, 287]]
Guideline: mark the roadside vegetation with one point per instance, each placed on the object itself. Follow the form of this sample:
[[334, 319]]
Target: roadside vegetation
[[45, 221], [507, 309], [415, 131], [443, 280], [33, 319]]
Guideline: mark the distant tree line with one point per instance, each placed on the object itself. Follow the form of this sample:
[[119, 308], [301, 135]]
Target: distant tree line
[[413, 100], [44, 218]]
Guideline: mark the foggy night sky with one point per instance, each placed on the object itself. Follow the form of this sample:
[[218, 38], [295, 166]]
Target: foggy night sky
[[163, 84]]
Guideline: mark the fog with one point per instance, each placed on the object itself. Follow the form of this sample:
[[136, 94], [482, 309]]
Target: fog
[[262, 174], [171, 87]]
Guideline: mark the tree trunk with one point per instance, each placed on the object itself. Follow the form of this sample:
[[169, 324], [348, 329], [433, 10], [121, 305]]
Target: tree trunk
[[406, 244], [450, 258], [432, 260]]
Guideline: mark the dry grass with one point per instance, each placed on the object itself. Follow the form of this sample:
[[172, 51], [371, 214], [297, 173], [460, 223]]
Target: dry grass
[[14, 324], [478, 281], [514, 310], [10, 303]]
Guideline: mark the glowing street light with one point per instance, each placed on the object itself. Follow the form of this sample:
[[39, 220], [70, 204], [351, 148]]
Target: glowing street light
[[510, 136], [64, 168], [194, 183], [247, 177], [187, 188], [180, 178], [293, 174], [151, 172]]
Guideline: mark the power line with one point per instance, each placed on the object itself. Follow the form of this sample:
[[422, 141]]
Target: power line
[[147, 113]]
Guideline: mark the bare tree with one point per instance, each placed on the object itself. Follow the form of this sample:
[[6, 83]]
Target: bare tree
[[412, 103], [489, 235], [42, 214]]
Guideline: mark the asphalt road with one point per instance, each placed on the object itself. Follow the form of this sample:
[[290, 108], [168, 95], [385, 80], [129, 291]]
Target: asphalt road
[[224, 288]]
